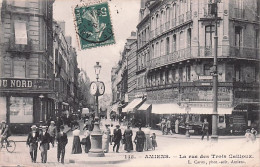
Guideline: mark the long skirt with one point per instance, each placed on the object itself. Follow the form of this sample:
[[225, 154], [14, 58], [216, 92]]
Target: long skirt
[[105, 144], [148, 142], [76, 147], [87, 145], [128, 143], [140, 145]]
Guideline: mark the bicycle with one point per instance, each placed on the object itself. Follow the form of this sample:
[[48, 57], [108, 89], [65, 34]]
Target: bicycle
[[10, 147]]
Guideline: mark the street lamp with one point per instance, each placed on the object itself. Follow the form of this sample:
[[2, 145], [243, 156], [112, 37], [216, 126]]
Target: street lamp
[[187, 108], [97, 88], [41, 97]]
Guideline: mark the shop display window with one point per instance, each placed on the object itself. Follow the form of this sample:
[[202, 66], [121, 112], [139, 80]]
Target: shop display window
[[2, 108], [21, 110]]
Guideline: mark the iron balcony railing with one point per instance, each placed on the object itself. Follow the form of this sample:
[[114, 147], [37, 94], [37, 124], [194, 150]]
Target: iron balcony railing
[[239, 13], [225, 51]]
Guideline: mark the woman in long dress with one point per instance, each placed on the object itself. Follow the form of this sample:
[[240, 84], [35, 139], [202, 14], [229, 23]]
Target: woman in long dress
[[128, 139], [139, 140], [148, 142], [106, 139], [76, 147], [87, 141]]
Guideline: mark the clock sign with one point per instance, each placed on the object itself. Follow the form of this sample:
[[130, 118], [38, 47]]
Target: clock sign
[[101, 88], [93, 88]]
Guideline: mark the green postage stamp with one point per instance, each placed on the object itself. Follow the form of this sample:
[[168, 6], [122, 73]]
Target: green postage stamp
[[93, 26]]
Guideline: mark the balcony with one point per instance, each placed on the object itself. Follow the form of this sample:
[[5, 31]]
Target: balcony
[[167, 26], [174, 23], [188, 15], [238, 13], [19, 47], [205, 52], [181, 19]]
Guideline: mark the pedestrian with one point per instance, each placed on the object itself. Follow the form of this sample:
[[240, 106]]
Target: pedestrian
[[76, 147], [106, 138], [62, 141], [117, 138], [44, 139], [52, 130], [86, 141], [5, 133], [248, 135], [148, 142], [163, 126], [139, 140], [128, 133], [59, 123], [177, 126], [112, 133], [32, 142], [205, 129], [168, 127], [253, 135], [154, 142]]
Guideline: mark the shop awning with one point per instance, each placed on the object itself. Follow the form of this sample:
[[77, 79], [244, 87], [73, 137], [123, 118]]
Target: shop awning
[[144, 107], [172, 108], [168, 108], [133, 104], [196, 110]]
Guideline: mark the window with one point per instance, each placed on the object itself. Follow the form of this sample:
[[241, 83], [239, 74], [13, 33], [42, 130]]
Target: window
[[152, 51], [21, 109], [166, 76], [237, 73], [20, 32], [174, 43], [19, 68], [188, 73], [157, 49], [3, 108], [173, 75], [162, 48], [189, 38], [167, 45], [167, 14], [161, 78], [238, 37], [180, 74], [209, 30], [157, 21], [207, 69], [181, 40]]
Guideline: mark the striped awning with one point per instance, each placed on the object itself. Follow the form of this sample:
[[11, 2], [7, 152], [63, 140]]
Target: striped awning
[[133, 104]]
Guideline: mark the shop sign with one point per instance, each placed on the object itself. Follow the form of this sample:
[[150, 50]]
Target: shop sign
[[205, 77], [28, 84]]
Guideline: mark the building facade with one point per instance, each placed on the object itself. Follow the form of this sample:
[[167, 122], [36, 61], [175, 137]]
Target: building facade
[[26, 63], [175, 61]]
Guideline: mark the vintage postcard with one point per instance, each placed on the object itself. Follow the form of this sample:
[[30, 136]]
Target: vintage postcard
[[123, 83]]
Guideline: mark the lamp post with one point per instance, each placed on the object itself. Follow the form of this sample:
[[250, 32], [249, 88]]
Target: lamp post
[[41, 97], [214, 136], [187, 108], [97, 88]]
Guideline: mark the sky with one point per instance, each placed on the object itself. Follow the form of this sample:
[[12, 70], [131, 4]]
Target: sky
[[124, 16]]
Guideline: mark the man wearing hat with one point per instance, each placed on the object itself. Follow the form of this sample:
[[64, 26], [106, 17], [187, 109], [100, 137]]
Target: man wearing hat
[[52, 130], [62, 141], [32, 142], [117, 138], [44, 139]]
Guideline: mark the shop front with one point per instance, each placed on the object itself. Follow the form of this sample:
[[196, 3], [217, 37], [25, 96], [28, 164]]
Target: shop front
[[25, 102]]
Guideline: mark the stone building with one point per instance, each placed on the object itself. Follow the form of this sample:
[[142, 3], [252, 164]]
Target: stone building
[[175, 42], [26, 61]]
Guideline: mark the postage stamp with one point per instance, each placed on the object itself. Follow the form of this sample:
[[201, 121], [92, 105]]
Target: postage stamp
[[93, 25]]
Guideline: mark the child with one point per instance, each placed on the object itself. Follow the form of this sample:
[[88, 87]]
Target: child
[[248, 135], [253, 135], [154, 143]]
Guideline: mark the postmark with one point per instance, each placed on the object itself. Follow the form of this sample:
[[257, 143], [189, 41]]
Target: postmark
[[93, 25]]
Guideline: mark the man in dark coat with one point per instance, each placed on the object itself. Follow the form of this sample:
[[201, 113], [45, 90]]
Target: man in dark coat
[[32, 142], [117, 138], [128, 139], [62, 141], [139, 140], [44, 139], [205, 129]]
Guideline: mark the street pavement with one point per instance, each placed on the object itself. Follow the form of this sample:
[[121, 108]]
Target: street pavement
[[172, 150]]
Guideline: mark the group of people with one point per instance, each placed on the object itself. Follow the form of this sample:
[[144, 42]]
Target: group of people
[[43, 137], [168, 126], [251, 135]]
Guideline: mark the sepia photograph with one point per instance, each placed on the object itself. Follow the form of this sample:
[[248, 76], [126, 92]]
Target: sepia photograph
[[129, 83]]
